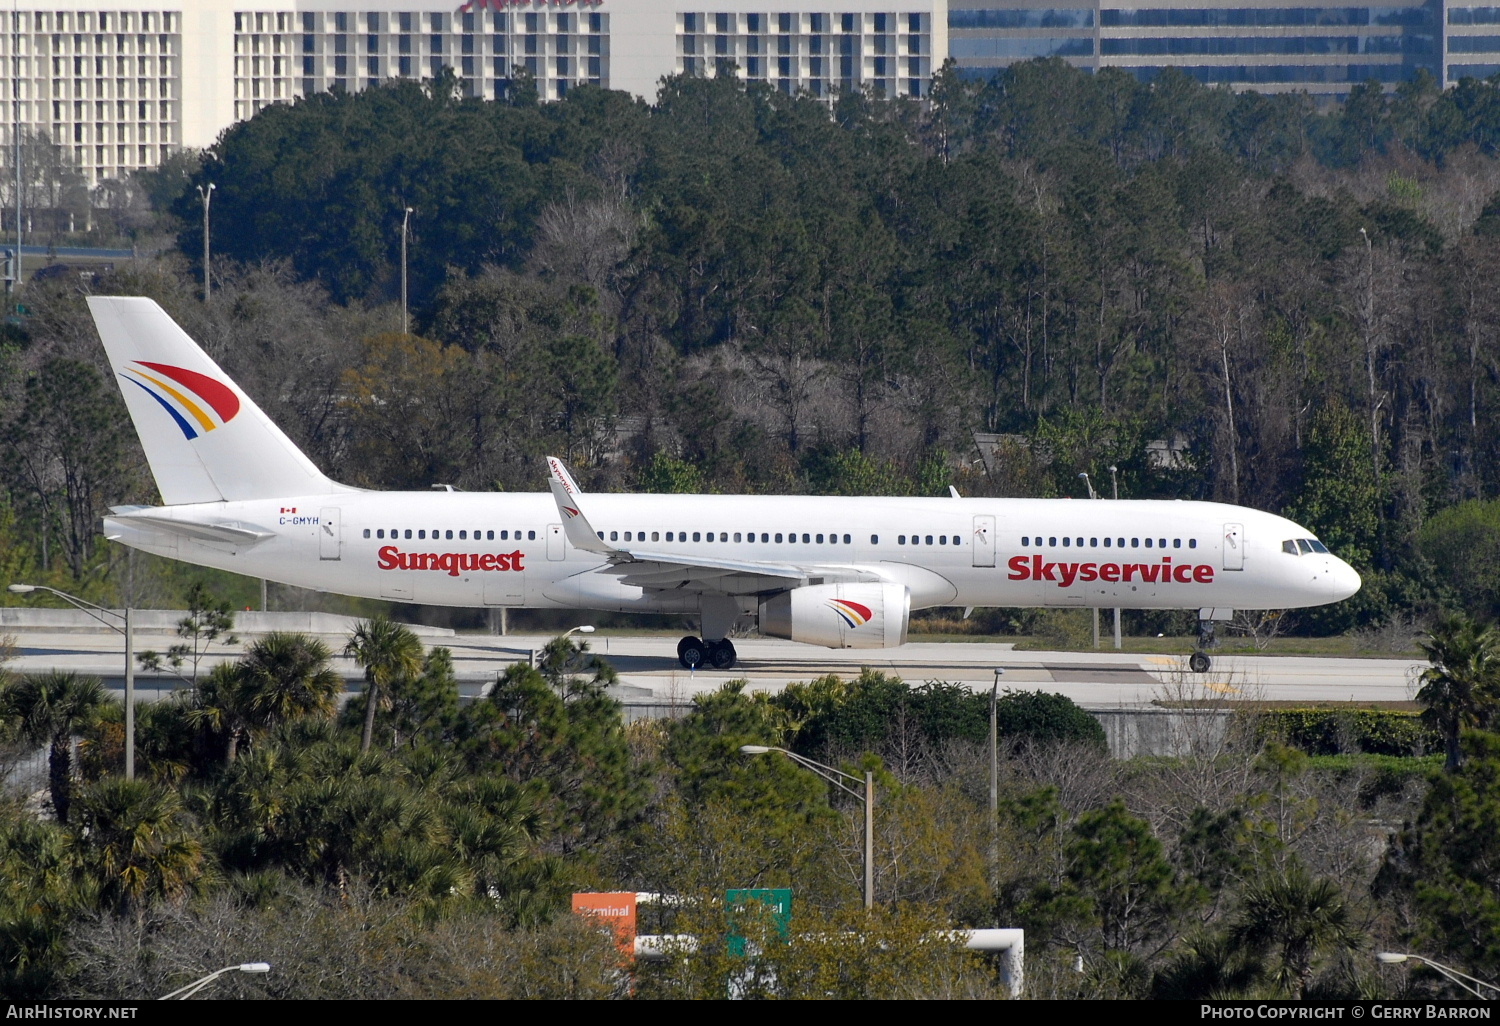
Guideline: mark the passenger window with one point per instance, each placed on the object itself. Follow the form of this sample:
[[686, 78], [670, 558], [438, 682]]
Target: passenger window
[[504, 535], [1192, 543], [655, 536], [422, 534], [530, 535], [1161, 543], [765, 537], [846, 539], [380, 533], [408, 532], [1176, 543], [697, 536], [874, 539], [736, 536], [723, 536], [463, 535], [1093, 543], [1080, 543], [1067, 542], [942, 539], [1052, 542], [447, 534], [1026, 539], [614, 536], [820, 539], [367, 532], [1107, 542], [1148, 543], [957, 540], [778, 538], [900, 539], [489, 536], [929, 539]]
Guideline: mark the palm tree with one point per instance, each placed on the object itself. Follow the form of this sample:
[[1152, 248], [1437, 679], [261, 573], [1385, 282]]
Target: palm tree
[[52, 707], [284, 677], [214, 708], [1294, 918], [138, 840], [1459, 688], [388, 651]]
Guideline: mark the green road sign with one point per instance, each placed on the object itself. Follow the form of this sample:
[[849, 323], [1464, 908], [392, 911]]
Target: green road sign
[[775, 901]]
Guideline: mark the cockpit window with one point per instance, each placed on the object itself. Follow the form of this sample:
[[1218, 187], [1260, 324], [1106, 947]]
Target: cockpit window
[[1302, 546]]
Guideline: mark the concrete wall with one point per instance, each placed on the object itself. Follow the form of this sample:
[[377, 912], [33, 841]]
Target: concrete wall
[[164, 621]]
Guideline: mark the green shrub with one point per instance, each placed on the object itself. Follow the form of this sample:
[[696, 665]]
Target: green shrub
[[1343, 731]]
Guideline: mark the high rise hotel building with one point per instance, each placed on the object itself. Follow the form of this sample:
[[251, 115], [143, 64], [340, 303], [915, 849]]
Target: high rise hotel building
[[121, 85]]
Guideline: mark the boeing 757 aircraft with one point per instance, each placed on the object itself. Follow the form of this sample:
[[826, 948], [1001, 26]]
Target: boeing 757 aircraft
[[836, 572]]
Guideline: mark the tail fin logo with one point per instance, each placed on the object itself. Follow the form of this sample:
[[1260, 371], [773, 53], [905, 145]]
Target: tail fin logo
[[197, 402], [853, 614]]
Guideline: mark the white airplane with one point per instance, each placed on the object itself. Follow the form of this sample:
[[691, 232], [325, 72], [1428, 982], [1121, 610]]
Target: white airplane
[[836, 572]]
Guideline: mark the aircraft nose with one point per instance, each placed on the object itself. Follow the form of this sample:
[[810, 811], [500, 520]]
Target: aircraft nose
[[1339, 580]]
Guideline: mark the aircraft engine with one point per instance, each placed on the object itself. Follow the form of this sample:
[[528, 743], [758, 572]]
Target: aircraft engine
[[839, 615]]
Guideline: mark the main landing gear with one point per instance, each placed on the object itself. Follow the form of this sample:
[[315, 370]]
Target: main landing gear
[[694, 652]]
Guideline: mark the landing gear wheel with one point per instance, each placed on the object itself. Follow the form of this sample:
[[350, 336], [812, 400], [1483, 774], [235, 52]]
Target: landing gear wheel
[[722, 655], [1198, 662], [692, 653]]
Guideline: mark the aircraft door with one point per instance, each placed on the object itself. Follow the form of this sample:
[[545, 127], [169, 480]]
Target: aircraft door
[[1234, 546], [983, 541], [555, 547], [329, 529]]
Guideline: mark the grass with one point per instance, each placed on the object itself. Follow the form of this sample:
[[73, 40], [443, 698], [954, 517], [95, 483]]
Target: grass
[[1341, 645], [1403, 764]]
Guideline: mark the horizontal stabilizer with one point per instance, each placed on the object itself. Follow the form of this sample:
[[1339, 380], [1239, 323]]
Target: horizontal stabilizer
[[232, 532]]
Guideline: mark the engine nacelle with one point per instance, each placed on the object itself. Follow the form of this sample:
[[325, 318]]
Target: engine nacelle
[[839, 615]]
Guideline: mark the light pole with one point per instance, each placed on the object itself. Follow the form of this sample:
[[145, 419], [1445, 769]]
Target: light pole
[[1397, 957], [405, 224], [15, 106], [94, 611], [206, 196], [183, 993], [833, 776], [587, 628], [1114, 488], [995, 766]]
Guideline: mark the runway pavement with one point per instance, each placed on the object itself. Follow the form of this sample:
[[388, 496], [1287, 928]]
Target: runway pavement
[[650, 674]]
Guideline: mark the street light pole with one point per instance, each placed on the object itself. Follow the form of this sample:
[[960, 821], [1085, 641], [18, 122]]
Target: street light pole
[[995, 766], [94, 611], [1396, 957], [1114, 487], [866, 795], [206, 196], [183, 993], [405, 224]]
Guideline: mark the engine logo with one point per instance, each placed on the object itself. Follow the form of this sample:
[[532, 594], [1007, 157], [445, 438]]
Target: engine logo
[[854, 614]]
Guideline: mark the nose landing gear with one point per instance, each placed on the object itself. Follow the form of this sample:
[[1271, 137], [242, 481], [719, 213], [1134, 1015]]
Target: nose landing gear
[[1199, 662]]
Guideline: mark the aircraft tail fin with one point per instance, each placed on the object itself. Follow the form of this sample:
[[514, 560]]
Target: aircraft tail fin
[[205, 439]]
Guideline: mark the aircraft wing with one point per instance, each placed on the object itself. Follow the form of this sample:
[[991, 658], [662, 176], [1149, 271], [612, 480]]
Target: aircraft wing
[[663, 569]]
